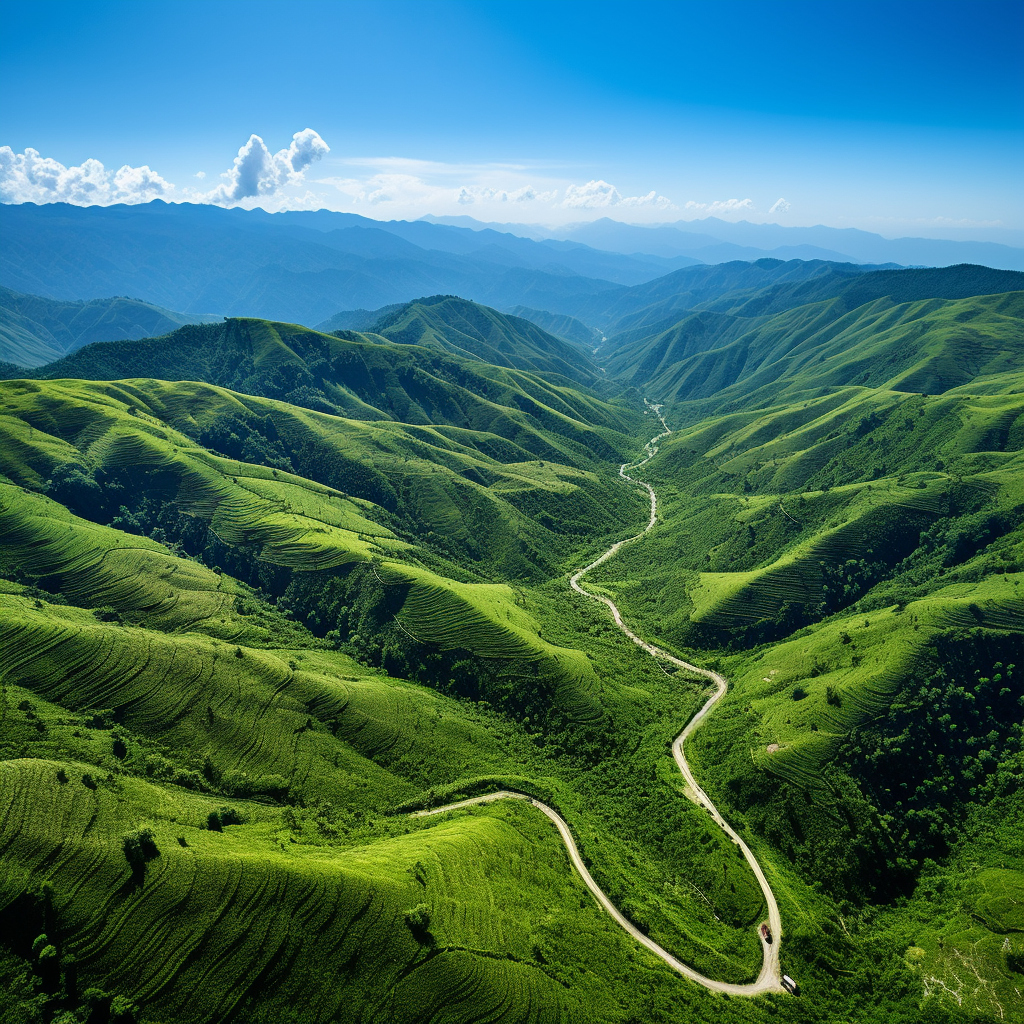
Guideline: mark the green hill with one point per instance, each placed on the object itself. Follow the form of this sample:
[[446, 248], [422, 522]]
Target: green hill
[[769, 286], [360, 376], [927, 346], [36, 330], [561, 326], [146, 694], [858, 560], [265, 590], [477, 332]]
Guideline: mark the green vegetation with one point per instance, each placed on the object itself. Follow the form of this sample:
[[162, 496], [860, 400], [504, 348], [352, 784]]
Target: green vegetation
[[249, 620], [36, 330], [476, 332], [561, 326]]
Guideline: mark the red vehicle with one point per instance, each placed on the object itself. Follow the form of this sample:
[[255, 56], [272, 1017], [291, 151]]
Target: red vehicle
[[766, 933]]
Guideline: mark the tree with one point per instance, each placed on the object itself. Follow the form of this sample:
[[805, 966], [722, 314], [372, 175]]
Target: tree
[[123, 1010], [418, 919], [139, 848]]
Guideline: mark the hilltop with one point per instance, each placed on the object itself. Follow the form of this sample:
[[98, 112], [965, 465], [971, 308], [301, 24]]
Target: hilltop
[[476, 332]]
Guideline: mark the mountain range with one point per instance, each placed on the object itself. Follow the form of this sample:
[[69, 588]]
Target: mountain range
[[713, 240]]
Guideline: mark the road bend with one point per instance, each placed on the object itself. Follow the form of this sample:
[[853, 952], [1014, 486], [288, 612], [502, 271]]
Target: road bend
[[769, 978]]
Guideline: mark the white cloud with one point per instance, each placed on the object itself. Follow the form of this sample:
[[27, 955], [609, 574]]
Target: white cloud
[[400, 192], [470, 194], [30, 178], [387, 187], [258, 172], [596, 195], [721, 206], [780, 206]]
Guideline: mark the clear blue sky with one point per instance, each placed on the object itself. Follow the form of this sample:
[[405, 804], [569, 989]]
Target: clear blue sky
[[897, 117]]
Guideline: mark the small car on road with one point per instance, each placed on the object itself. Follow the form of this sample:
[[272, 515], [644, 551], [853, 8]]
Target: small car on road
[[766, 933]]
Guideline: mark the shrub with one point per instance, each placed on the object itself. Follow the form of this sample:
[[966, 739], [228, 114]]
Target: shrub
[[418, 919], [139, 848], [216, 820], [123, 1010]]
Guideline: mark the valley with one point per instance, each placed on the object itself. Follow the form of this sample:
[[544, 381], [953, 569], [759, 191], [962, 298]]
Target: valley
[[300, 665]]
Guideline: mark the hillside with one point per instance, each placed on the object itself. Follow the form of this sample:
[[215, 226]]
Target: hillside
[[927, 346], [561, 326], [35, 330], [658, 304], [476, 332], [105, 617], [858, 560], [362, 376], [768, 287]]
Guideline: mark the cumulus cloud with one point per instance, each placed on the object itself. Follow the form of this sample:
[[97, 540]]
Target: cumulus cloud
[[780, 206], [595, 195], [30, 178], [258, 172], [721, 206]]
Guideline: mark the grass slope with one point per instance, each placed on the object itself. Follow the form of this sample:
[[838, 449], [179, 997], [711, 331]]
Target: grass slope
[[476, 332], [141, 690], [560, 325], [242, 636], [35, 330], [927, 346]]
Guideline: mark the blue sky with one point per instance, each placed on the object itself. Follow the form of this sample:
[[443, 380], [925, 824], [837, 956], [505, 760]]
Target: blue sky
[[902, 118]]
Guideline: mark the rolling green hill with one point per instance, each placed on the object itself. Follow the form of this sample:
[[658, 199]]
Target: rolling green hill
[[146, 695], [927, 346], [858, 559], [477, 332], [768, 286], [361, 376], [561, 326], [264, 591], [36, 330]]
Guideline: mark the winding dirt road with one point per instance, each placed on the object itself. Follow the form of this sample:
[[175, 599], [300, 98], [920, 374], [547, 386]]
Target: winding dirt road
[[769, 978]]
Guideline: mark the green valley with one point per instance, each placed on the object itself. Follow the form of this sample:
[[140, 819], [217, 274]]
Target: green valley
[[266, 592]]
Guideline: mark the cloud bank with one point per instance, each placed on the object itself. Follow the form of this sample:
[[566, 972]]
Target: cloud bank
[[30, 178], [384, 187], [596, 195], [721, 206]]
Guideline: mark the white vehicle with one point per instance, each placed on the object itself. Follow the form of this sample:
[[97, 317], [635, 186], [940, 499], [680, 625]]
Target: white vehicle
[[790, 985]]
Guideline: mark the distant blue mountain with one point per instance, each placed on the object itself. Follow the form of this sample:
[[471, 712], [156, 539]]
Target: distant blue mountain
[[300, 267], [712, 240]]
